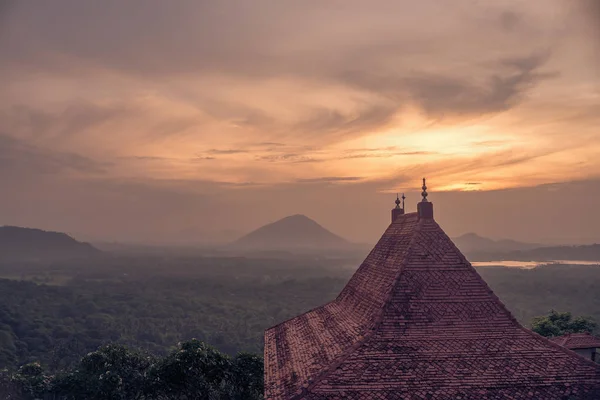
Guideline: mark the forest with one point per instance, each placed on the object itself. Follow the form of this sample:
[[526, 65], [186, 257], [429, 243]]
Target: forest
[[57, 314]]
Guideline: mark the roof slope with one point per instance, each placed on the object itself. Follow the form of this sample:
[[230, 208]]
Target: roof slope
[[416, 321], [577, 341]]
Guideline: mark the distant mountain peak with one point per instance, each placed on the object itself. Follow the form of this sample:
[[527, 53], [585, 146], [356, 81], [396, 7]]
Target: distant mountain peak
[[472, 235], [289, 233]]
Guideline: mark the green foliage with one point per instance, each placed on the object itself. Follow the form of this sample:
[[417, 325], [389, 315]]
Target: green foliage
[[151, 303], [529, 293], [561, 323], [111, 372], [193, 370], [228, 309]]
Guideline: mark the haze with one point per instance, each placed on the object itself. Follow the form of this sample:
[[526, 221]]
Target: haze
[[198, 121]]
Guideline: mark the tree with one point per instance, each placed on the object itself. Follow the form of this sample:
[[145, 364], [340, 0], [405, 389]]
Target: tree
[[9, 390], [247, 377], [30, 382], [194, 370], [112, 372], [561, 323]]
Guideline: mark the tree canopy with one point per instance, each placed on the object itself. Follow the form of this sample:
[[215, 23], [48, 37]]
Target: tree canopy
[[192, 370], [561, 323]]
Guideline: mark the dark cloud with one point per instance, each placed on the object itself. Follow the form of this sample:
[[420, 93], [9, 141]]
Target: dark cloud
[[80, 115], [204, 158], [289, 158], [387, 155], [591, 10], [336, 124], [253, 42], [18, 159], [226, 151], [270, 144], [330, 179], [443, 95], [5, 9], [150, 158], [509, 20], [71, 120]]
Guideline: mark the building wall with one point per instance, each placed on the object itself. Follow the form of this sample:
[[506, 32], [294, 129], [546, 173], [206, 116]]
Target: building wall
[[587, 353]]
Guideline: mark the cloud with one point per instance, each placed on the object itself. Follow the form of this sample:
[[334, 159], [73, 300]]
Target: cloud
[[331, 179], [591, 9], [443, 95], [248, 87], [289, 158], [336, 124], [386, 153], [380, 62], [226, 151], [18, 159], [204, 158]]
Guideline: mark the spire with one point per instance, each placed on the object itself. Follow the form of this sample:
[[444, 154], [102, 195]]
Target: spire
[[397, 211], [425, 208], [403, 197]]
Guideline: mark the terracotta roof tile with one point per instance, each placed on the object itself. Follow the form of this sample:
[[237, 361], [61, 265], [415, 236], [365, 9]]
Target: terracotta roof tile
[[577, 341], [416, 321]]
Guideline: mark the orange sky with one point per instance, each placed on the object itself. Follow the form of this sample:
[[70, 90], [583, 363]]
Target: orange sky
[[221, 99]]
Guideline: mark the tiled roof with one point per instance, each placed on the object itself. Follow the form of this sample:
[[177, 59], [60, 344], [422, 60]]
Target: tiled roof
[[577, 341], [416, 321]]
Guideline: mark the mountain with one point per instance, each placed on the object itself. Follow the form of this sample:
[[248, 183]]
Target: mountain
[[293, 233], [472, 243], [27, 244]]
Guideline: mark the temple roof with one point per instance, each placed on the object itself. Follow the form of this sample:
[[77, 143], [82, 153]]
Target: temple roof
[[416, 321], [577, 341]]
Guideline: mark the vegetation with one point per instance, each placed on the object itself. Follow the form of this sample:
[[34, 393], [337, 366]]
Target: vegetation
[[191, 371], [226, 303], [561, 323], [61, 324]]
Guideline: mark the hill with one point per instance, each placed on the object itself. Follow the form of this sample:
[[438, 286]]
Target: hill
[[293, 233], [473, 243], [27, 244]]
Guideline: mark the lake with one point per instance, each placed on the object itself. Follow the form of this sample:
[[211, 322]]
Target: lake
[[531, 264]]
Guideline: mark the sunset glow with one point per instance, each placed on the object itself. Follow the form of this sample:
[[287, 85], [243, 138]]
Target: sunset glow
[[481, 96]]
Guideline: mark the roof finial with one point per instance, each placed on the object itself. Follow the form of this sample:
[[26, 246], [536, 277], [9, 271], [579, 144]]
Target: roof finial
[[397, 201], [403, 197], [424, 192]]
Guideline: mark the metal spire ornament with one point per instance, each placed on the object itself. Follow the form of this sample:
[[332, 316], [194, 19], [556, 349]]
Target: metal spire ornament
[[397, 201], [424, 192]]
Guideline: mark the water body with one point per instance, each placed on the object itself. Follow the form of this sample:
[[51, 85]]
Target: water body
[[531, 264]]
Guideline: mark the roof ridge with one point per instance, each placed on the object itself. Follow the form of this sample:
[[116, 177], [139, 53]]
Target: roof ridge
[[377, 321], [557, 346], [479, 278], [314, 308], [512, 318]]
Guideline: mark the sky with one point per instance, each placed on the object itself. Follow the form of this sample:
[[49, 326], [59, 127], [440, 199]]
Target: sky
[[197, 121]]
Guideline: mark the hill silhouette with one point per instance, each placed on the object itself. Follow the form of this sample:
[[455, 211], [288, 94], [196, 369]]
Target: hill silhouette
[[27, 244], [473, 243], [296, 232]]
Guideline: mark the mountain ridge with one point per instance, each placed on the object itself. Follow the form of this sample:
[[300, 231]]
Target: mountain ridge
[[472, 242], [32, 244]]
